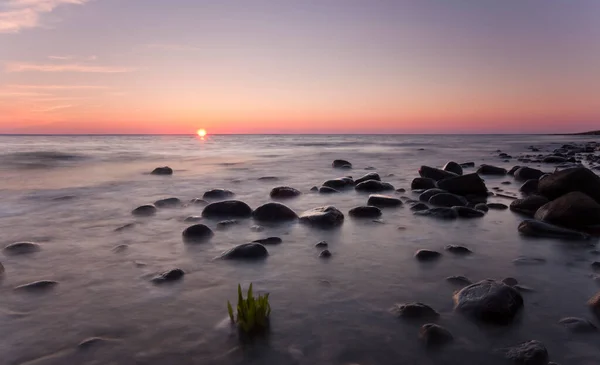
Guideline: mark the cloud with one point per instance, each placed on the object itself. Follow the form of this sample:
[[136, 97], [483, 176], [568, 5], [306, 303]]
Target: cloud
[[61, 58], [52, 108], [171, 47], [73, 67], [23, 14], [57, 87]]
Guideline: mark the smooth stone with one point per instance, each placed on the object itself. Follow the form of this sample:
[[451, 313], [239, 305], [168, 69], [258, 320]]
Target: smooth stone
[[20, 248], [578, 325], [325, 254], [529, 205], [383, 201], [218, 194], [325, 217], [489, 301], [482, 207], [170, 275], [167, 203], [422, 183], [274, 212], [435, 174], [527, 353], [427, 194], [226, 223], [574, 210], [469, 184], [435, 335], [373, 186], [227, 209], [510, 281], [594, 304], [144, 210], [466, 212], [165, 170], [321, 244], [441, 213], [314, 189], [369, 176], [458, 280], [198, 201], [339, 183], [365, 211], [554, 159], [37, 285], [284, 192], [574, 179], [535, 228], [497, 206], [401, 190], [125, 227], [341, 164], [458, 250], [269, 241], [197, 233], [453, 167], [414, 310], [327, 190], [527, 173], [526, 260], [491, 170], [268, 178], [427, 255], [447, 200], [120, 248], [192, 219], [419, 206], [246, 251], [513, 170]]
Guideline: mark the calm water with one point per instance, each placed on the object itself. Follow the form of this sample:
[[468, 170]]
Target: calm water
[[70, 193]]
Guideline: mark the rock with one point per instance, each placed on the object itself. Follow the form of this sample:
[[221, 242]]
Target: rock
[[274, 212], [458, 280], [513, 170], [447, 200], [427, 255], [527, 173], [165, 170], [192, 219], [92, 341], [226, 223], [419, 206], [20, 248], [167, 203], [284, 192], [339, 183], [527, 353], [120, 248], [369, 176], [526, 260], [125, 227], [506, 183], [37, 285], [482, 207], [198, 201], [491, 170], [489, 301], [453, 167], [373, 186], [322, 244], [144, 210], [1, 269], [534, 228], [325, 254], [314, 188], [435, 174], [383, 201], [435, 335], [414, 310], [324, 217], [497, 206], [401, 190], [469, 184], [218, 194], [529, 205], [365, 211], [422, 183], [167, 276], [595, 265], [465, 212], [594, 304], [246, 251], [268, 178], [197, 233], [427, 194], [566, 181], [257, 228], [227, 209], [574, 210], [327, 190], [341, 164], [554, 159], [529, 187], [269, 241], [441, 213], [578, 325], [458, 250], [466, 165]]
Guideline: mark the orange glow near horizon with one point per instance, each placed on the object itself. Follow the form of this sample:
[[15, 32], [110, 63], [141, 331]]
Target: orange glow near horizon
[[202, 133]]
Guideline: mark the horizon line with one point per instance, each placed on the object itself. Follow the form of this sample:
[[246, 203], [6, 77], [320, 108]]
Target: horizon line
[[275, 134]]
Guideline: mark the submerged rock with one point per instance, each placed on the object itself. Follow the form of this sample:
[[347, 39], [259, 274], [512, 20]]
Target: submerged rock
[[198, 201], [497, 206], [284, 192], [529, 205], [226, 223], [414, 310], [469, 184], [192, 219], [369, 176], [339, 183], [325, 217], [167, 203], [566, 181], [458, 280], [341, 164], [197, 233], [453, 167], [383, 201], [482, 207], [427, 255], [419, 206], [435, 335], [527, 353], [489, 301], [510, 281], [144, 210], [227, 209], [269, 241], [246, 251], [458, 250], [465, 212], [441, 213], [435, 174], [427, 194], [325, 254], [365, 211], [537, 228], [327, 190], [37, 285], [422, 183], [579, 325], [274, 212], [594, 304], [574, 210], [20, 248], [165, 170], [527, 173], [169, 275], [218, 194], [491, 170], [321, 244], [447, 200], [373, 186]]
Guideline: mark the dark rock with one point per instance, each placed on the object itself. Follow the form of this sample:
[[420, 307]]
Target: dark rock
[[482, 207], [227, 209], [269, 241], [427, 194], [414, 311], [527, 173], [578, 325], [458, 250], [441, 213], [257, 228], [536, 228], [529, 205], [120, 248], [419, 206], [526, 260], [554, 159], [144, 210], [268, 178], [20, 248], [322, 244], [167, 276], [192, 219], [325, 254], [197, 233], [453, 167], [435, 174], [466, 165], [325, 217], [167, 203], [497, 206], [373, 186], [447, 200], [226, 223], [92, 341], [341, 164], [527, 353], [435, 335], [166, 170], [506, 183], [198, 201], [422, 183], [529, 187], [469, 184], [274, 212], [246, 251], [284, 192], [218, 194], [427, 255], [369, 176], [365, 211], [340, 183], [465, 212], [575, 179], [510, 281], [489, 301], [594, 304], [595, 265], [513, 170], [327, 190], [458, 280], [574, 210], [125, 227], [491, 170], [37, 285], [314, 188], [383, 201], [401, 190]]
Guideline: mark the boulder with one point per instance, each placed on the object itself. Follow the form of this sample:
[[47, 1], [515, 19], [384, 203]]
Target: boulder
[[482, 207], [197, 233], [324, 217], [369, 176], [339, 183], [419, 206], [165, 170], [383, 201], [453, 167], [465, 212], [510, 281], [227, 209], [435, 174], [513, 170], [529, 205], [328, 190], [246, 251], [284, 192], [167, 276], [497, 206], [574, 210], [527, 353], [534, 228], [527, 173], [435, 335], [447, 200], [427, 255], [427, 194], [440, 213], [489, 301], [469, 184], [422, 183], [365, 211], [529, 187], [269, 241], [491, 170], [144, 210], [167, 203], [274, 212], [321, 244], [341, 164], [373, 186], [459, 280], [21, 248], [414, 310], [555, 159], [566, 181], [325, 254], [218, 194]]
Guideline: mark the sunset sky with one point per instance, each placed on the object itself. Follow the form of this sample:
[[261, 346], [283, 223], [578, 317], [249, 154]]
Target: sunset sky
[[299, 66]]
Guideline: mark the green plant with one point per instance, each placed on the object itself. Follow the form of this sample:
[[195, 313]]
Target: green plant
[[252, 313]]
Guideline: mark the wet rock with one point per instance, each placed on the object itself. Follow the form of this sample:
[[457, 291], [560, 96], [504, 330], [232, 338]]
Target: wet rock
[[21, 248], [594, 304], [427, 194], [527, 173], [414, 310], [527, 353], [535, 228], [529, 205], [167, 203], [339, 183], [198, 201], [144, 210], [491, 170], [268, 178], [427, 255], [37, 285], [555, 159], [341, 164], [227, 209], [435, 174], [327, 190], [453, 167], [120, 248], [458, 280], [274, 212], [469, 184], [447, 200], [226, 223], [458, 250], [529, 187], [526, 260], [284, 192], [218, 194], [369, 176], [246, 251], [465, 212], [422, 183], [383, 201], [168, 276], [325, 254], [510, 281], [489, 301], [324, 217], [322, 244], [513, 170], [419, 206], [401, 190], [373, 186], [192, 219], [165, 170], [497, 206], [125, 227], [578, 325], [314, 189], [269, 241], [566, 181], [574, 210], [506, 183], [435, 335], [482, 207], [440, 213], [197, 233], [365, 211]]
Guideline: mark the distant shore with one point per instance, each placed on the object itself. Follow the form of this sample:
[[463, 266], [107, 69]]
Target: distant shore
[[590, 133]]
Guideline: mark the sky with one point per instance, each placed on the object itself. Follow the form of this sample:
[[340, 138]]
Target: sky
[[299, 66]]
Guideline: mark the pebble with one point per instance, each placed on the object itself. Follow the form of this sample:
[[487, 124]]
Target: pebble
[[325, 254], [427, 255], [21, 248], [269, 241], [458, 250]]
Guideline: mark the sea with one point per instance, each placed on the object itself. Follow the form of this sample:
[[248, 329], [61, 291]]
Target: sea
[[70, 194]]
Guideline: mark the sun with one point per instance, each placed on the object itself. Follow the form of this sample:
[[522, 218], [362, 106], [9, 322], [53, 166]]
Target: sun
[[201, 132]]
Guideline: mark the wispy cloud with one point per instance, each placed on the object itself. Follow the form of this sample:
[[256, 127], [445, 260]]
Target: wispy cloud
[[60, 58], [73, 67], [171, 47], [57, 98], [23, 14], [52, 108], [57, 87]]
